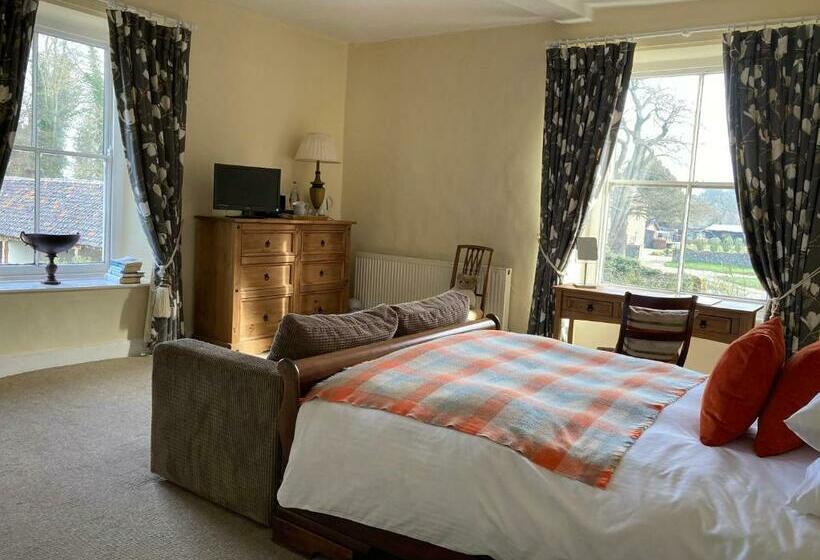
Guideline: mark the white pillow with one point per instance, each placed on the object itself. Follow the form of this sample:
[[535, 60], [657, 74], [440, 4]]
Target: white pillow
[[805, 423], [806, 499]]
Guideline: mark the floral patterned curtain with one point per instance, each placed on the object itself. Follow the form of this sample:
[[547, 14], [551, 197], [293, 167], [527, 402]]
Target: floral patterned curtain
[[149, 63], [16, 30], [773, 104], [585, 96]]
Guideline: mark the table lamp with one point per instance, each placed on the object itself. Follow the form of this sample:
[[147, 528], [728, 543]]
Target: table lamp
[[322, 149], [587, 251]]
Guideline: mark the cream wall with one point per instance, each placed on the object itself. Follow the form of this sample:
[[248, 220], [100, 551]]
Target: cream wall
[[256, 87], [37, 322], [443, 137]]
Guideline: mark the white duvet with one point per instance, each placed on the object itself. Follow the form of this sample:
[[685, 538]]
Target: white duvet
[[670, 498]]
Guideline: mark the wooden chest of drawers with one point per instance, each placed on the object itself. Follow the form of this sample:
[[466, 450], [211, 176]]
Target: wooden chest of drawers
[[249, 273]]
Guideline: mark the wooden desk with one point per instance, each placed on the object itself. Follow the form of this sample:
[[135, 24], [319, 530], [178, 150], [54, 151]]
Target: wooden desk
[[717, 319]]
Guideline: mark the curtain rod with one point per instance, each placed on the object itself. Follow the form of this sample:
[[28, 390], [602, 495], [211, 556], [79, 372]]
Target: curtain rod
[[683, 32], [154, 16]]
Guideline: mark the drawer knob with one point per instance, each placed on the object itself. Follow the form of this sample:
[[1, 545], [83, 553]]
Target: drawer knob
[[590, 308], [267, 243], [267, 276], [703, 323], [265, 317], [321, 272], [322, 243]]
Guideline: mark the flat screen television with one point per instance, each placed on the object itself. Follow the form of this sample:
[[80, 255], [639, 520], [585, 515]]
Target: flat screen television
[[253, 190]]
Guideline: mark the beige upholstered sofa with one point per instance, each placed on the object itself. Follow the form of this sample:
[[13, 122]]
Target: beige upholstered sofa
[[213, 426]]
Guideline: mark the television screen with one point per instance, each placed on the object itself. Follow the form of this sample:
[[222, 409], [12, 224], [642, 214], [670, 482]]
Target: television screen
[[250, 189]]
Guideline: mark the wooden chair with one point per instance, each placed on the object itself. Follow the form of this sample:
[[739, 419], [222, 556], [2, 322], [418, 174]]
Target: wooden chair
[[468, 268], [648, 322]]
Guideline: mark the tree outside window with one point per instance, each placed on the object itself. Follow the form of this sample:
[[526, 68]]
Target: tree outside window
[[56, 180], [671, 218]]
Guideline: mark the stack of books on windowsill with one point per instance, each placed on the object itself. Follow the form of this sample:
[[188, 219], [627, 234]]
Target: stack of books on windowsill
[[125, 270]]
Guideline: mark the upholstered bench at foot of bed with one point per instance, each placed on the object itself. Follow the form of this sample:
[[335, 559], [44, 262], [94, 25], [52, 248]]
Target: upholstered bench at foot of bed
[[213, 427]]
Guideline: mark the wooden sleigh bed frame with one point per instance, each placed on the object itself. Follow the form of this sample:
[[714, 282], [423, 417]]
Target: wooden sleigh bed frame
[[333, 537]]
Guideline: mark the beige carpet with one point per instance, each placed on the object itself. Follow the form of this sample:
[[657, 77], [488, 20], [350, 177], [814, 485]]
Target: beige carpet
[[75, 482]]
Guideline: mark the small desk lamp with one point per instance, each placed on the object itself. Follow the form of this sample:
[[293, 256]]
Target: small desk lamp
[[322, 149], [587, 248]]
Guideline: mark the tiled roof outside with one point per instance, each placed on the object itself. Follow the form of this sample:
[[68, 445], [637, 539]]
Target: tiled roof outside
[[66, 206]]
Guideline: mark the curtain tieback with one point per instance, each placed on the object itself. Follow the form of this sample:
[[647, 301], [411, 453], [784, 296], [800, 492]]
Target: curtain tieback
[[557, 270], [774, 302], [164, 307]]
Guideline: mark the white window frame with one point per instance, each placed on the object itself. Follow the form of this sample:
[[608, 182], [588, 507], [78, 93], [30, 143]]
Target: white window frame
[[19, 272], [689, 186]]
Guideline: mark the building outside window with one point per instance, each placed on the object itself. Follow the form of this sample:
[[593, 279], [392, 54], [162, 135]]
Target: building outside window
[[670, 220], [59, 175]]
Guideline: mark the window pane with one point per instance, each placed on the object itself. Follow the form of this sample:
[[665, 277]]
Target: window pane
[[655, 137], [716, 260], [17, 209], [72, 199], [643, 236], [69, 95], [713, 162], [23, 136]]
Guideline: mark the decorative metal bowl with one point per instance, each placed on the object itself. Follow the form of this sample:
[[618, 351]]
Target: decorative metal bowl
[[50, 244]]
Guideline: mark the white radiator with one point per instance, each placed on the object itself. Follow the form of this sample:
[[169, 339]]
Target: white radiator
[[392, 279]]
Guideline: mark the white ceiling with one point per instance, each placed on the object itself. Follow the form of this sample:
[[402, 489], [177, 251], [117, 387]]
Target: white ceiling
[[380, 20]]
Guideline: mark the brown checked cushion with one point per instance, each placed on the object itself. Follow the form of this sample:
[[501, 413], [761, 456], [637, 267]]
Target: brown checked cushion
[[449, 308], [302, 336]]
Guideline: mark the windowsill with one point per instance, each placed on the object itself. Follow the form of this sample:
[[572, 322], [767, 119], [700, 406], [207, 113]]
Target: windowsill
[[29, 285], [703, 299]]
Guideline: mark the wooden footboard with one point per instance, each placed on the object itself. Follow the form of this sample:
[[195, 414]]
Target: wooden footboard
[[335, 538]]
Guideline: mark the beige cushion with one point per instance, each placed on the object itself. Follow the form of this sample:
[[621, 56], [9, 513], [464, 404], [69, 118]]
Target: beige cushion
[[475, 315], [665, 320], [655, 320], [443, 310], [471, 297], [302, 336]]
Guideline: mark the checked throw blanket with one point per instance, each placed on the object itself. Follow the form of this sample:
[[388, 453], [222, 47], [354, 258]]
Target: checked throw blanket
[[566, 408]]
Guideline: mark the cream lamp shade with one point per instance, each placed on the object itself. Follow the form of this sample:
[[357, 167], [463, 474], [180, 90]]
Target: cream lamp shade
[[587, 248], [587, 251], [317, 147], [322, 149]]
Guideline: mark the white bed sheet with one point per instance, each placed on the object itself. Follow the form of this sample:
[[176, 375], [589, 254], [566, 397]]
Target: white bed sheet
[[671, 497]]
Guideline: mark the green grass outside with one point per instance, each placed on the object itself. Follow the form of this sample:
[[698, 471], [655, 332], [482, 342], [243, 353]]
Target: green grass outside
[[713, 267], [729, 281], [742, 281]]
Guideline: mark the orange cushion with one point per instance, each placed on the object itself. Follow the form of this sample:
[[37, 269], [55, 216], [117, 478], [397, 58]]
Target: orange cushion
[[740, 383], [798, 385]]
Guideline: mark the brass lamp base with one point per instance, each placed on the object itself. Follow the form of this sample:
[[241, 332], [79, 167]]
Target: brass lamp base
[[317, 189], [317, 195]]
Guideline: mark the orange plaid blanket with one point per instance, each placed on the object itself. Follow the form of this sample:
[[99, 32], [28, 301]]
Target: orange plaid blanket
[[566, 408]]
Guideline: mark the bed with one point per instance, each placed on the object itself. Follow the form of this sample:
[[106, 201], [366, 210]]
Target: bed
[[358, 477]]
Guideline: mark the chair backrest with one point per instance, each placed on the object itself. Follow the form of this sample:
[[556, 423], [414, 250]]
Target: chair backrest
[[657, 328], [468, 264]]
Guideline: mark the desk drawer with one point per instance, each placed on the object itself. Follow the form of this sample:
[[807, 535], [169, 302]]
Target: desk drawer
[[589, 307], [711, 324], [261, 317]]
